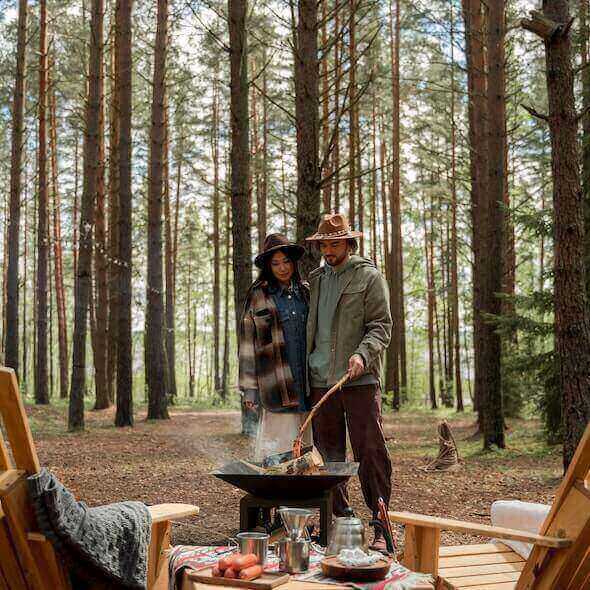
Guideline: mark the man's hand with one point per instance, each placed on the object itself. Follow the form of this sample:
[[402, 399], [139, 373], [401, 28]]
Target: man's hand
[[250, 405], [356, 366]]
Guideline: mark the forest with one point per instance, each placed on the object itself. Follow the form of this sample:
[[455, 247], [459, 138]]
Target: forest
[[147, 148]]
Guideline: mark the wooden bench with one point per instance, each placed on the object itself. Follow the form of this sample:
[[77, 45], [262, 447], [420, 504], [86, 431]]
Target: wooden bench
[[27, 559], [560, 558]]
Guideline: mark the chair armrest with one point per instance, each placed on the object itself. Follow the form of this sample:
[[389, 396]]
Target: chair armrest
[[163, 512], [448, 524]]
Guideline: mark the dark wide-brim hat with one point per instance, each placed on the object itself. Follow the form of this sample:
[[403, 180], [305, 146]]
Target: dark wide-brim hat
[[334, 226], [275, 242]]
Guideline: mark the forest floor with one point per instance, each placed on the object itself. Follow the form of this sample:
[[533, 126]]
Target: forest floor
[[170, 461]]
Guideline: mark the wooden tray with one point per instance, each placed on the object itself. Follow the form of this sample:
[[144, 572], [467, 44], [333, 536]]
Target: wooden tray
[[266, 581], [332, 568]]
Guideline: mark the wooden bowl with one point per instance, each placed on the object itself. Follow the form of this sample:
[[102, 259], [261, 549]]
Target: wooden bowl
[[332, 568]]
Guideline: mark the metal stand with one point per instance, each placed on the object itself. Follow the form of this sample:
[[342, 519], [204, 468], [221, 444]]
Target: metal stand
[[250, 507]]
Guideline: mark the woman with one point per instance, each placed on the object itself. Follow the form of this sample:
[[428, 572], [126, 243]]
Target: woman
[[272, 346]]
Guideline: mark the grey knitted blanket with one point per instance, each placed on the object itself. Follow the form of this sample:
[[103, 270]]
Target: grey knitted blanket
[[110, 541]]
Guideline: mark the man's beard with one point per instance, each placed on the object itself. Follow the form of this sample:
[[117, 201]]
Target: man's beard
[[337, 261]]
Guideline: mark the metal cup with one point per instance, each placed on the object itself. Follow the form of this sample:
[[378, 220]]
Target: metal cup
[[257, 543], [294, 555]]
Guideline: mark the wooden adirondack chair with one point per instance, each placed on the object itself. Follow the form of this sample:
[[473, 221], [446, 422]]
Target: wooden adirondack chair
[[27, 558], [560, 558]]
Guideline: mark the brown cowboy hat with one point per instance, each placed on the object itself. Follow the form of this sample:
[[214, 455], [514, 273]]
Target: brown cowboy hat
[[334, 226], [275, 242]]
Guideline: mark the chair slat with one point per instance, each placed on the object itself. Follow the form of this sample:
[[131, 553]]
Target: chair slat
[[5, 460], [475, 549], [486, 559], [560, 517], [21, 520], [493, 586], [9, 564], [16, 423], [479, 579], [493, 568]]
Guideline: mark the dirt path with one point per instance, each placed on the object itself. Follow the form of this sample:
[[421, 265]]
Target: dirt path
[[171, 461]]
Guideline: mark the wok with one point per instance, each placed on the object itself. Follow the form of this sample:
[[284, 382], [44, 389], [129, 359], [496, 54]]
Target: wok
[[288, 487]]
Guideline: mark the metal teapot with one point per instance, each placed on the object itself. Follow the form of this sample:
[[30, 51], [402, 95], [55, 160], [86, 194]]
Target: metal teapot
[[348, 532]]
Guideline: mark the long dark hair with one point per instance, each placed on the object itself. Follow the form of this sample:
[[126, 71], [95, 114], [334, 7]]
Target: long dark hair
[[266, 277]]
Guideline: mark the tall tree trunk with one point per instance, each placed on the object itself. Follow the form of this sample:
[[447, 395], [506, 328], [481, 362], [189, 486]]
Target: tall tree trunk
[[216, 237], [154, 321], [454, 249], [240, 154], [18, 109], [493, 420], [585, 59], [307, 123], [572, 325], [225, 373], [170, 324], [325, 107], [87, 210], [430, 307], [337, 74], [100, 264], [58, 258], [113, 229], [24, 374], [352, 135], [124, 415], [477, 113], [41, 377]]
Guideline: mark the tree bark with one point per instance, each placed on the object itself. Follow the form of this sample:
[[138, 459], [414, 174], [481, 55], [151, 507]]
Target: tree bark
[[154, 321], [170, 303], [124, 415], [41, 376], [18, 109], [307, 124], [572, 325], [352, 135], [58, 258], [102, 400], [87, 211], [477, 116], [240, 154], [216, 238], [491, 353], [585, 63], [113, 233]]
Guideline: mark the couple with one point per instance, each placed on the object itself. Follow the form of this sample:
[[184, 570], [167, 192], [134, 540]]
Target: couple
[[296, 341]]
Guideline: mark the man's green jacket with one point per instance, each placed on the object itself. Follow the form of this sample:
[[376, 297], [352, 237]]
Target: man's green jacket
[[362, 320]]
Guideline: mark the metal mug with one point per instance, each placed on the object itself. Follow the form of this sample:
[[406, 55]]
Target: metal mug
[[252, 542], [294, 555]]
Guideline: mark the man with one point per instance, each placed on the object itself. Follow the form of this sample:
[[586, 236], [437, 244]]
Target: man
[[348, 329]]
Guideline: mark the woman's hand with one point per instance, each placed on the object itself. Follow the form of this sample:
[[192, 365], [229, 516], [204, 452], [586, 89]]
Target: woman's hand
[[356, 366]]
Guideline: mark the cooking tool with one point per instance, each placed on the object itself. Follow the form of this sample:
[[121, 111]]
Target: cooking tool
[[295, 522], [267, 581], [294, 555], [348, 532], [383, 524], [253, 542], [332, 568], [287, 487], [297, 443]]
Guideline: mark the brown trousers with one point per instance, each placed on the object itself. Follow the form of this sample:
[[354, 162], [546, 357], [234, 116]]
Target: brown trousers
[[359, 408]]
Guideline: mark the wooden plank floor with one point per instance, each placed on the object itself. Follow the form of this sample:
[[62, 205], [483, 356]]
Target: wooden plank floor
[[488, 566]]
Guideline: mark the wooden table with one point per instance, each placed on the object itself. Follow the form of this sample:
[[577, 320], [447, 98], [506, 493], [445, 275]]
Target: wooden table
[[292, 585]]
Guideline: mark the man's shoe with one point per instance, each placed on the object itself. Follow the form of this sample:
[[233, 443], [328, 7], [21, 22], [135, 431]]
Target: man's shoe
[[379, 544]]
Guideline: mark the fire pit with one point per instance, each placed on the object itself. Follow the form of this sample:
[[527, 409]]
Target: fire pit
[[286, 487], [269, 490]]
